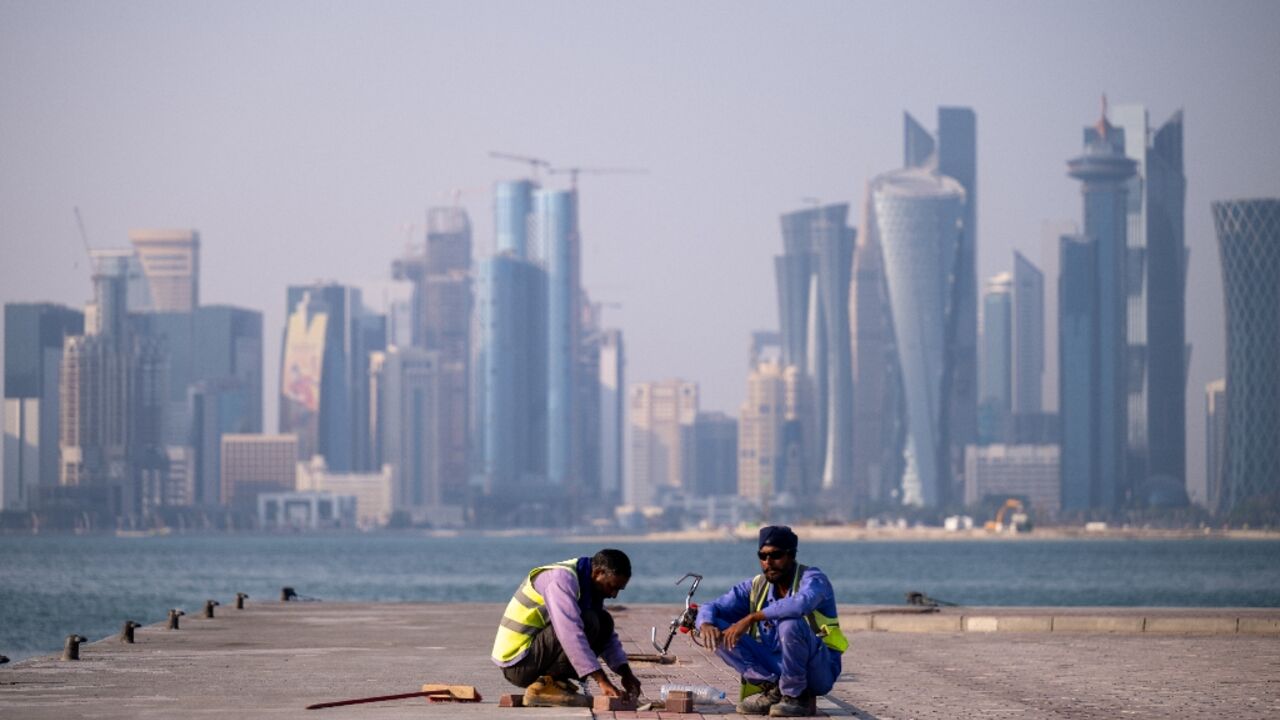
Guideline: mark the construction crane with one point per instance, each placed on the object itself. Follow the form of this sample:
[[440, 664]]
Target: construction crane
[[533, 162], [573, 172]]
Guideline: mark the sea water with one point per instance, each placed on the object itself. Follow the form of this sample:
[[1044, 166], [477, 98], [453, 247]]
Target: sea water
[[51, 586]]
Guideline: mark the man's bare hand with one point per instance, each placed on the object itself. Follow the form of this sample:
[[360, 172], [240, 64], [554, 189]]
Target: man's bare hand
[[631, 684], [607, 688], [740, 628], [709, 635]]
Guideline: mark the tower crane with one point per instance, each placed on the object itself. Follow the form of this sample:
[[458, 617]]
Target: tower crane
[[574, 172], [533, 162]]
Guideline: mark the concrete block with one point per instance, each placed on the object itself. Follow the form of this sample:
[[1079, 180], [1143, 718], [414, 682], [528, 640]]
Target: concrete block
[[916, 623], [1025, 623], [604, 703], [1259, 626], [511, 700], [1097, 623], [982, 623], [1192, 625]]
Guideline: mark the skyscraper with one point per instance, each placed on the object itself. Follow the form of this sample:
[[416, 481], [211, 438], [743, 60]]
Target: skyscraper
[[170, 259], [1104, 172], [34, 337], [877, 425], [556, 223], [1156, 258], [660, 412], [1249, 245], [511, 360], [324, 377], [408, 391], [955, 155], [1028, 337], [113, 391], [612, 415], [713, 456], [996, 405], [761, 431], [919, 216], [1215, 436]]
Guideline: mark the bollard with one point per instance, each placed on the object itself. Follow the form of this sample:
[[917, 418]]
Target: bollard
[[126, 632], [209, 605], [173, 618], [287, 594], [240, 600], [71, 650]]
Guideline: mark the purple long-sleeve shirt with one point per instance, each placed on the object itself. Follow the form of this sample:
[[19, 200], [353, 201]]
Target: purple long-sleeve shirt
[[560, 590]]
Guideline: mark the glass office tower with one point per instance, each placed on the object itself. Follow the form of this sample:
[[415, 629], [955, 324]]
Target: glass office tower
[[1249, 245], [556, 220], [919, 218], [1104, 172]]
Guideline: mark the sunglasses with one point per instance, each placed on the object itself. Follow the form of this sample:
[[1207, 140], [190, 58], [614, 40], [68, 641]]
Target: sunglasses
[[775, 555]]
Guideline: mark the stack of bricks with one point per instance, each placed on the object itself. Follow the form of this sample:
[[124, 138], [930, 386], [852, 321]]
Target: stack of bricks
[[680, 701]]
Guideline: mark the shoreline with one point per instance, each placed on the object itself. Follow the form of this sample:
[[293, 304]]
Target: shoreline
[[827, 533]]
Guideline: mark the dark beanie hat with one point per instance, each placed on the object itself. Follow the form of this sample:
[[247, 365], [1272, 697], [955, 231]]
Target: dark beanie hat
[[779, 536]]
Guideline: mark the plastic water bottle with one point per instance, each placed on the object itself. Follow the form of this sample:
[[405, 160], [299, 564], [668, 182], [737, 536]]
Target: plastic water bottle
[[701, 693]]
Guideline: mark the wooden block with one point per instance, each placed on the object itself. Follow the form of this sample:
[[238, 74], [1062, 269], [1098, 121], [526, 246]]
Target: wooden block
[[605, 703], [684, 705], [512, 700]]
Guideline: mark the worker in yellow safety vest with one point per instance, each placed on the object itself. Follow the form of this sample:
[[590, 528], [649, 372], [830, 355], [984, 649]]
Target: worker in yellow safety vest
[[778, 630], [555, 629]]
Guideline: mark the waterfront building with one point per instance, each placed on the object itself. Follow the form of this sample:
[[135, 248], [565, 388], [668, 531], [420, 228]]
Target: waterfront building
[[559, 247], [254, 464], [712, 457], [814, 276], [877, 422], [994, 473], [996, 395], [409, 397], [770, 439], [34, 334], [1155, 322], [306, 510], [512, 378], [919, 216], [324, 373], [1094, 469], [113, 392], [659, 413], [1028, 334], [373, 492], [612, 381], [953, 153], [513, 210], [170, 260], [1215, 436], [1249, 246]]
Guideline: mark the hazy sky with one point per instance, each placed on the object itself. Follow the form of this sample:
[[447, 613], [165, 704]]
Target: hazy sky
[[300, 137]]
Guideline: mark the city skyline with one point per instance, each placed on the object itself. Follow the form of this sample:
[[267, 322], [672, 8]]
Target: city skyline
[[305, 191]]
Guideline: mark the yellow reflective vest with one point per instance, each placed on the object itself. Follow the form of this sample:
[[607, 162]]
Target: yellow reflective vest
[[526, 614], [826, 628]]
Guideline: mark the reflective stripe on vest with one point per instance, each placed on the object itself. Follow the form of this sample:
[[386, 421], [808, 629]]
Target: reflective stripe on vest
[[826, 628], [525, 615]]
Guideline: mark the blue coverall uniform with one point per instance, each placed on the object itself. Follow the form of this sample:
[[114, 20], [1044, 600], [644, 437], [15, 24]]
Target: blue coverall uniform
[[788, 651]]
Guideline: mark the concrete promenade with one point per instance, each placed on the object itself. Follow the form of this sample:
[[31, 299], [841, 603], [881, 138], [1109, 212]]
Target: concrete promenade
[[273, 659]]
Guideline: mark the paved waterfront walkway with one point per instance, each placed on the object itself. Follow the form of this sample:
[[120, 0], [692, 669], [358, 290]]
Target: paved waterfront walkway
[[271, 660]]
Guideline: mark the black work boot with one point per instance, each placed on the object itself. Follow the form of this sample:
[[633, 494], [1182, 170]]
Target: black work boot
[[788, 706], [760, 703]]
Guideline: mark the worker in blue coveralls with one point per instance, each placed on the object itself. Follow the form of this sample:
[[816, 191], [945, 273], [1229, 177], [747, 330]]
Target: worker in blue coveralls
[[778, 630]]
